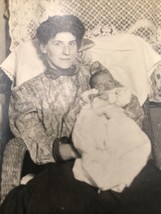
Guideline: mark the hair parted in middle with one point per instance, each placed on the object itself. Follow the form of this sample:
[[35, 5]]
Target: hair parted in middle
[[58, 24]]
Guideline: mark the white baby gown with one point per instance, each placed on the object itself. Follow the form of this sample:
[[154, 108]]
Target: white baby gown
[[113, 148]]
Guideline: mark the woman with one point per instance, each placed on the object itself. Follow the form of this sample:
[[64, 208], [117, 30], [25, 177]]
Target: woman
[[37, 111], [38, 106]]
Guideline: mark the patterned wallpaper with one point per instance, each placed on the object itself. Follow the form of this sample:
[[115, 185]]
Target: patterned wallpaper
[[141, 17]]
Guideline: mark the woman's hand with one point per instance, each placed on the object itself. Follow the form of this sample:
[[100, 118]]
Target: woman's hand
[[63, 149], [67, 152]]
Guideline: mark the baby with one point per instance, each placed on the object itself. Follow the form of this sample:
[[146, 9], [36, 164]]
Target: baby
[[105, 89], [113, 148]]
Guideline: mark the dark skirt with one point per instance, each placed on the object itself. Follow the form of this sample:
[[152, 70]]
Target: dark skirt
[[55, 191]]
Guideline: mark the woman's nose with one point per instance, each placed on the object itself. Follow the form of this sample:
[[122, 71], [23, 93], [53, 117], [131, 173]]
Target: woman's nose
[[66, 50]]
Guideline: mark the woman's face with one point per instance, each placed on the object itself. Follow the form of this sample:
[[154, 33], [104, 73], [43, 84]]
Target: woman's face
[[61, 50]]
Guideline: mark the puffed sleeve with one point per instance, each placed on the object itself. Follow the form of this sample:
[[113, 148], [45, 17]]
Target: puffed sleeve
[[26, 124]]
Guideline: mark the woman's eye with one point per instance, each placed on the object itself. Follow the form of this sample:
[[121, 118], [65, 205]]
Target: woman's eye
[[57, 44], [73, 43]]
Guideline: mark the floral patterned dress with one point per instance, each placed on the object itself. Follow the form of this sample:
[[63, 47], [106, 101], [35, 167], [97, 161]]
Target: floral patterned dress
[[37, 109]]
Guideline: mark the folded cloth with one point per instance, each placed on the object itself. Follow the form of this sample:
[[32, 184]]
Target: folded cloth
[[25, 62], [112, 153], [130, 60]]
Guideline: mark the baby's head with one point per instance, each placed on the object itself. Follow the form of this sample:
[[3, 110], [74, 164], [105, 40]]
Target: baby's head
[[101, 79]]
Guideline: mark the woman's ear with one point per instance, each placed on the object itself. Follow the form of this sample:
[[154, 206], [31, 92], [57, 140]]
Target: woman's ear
[[43, 48]]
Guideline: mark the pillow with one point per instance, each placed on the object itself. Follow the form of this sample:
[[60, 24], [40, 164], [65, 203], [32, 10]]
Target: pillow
[[130, 60]]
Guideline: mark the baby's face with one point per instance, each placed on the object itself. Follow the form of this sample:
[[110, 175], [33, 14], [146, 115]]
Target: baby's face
[[104, 82]]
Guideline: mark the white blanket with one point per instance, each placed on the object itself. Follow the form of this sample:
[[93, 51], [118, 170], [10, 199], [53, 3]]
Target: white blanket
[[112, 146], [130, 60]]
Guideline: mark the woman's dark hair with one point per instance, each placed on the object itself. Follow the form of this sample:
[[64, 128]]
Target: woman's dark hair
[[59, 24]]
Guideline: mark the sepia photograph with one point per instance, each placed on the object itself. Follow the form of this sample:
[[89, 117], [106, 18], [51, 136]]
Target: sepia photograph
[[80, 107]]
